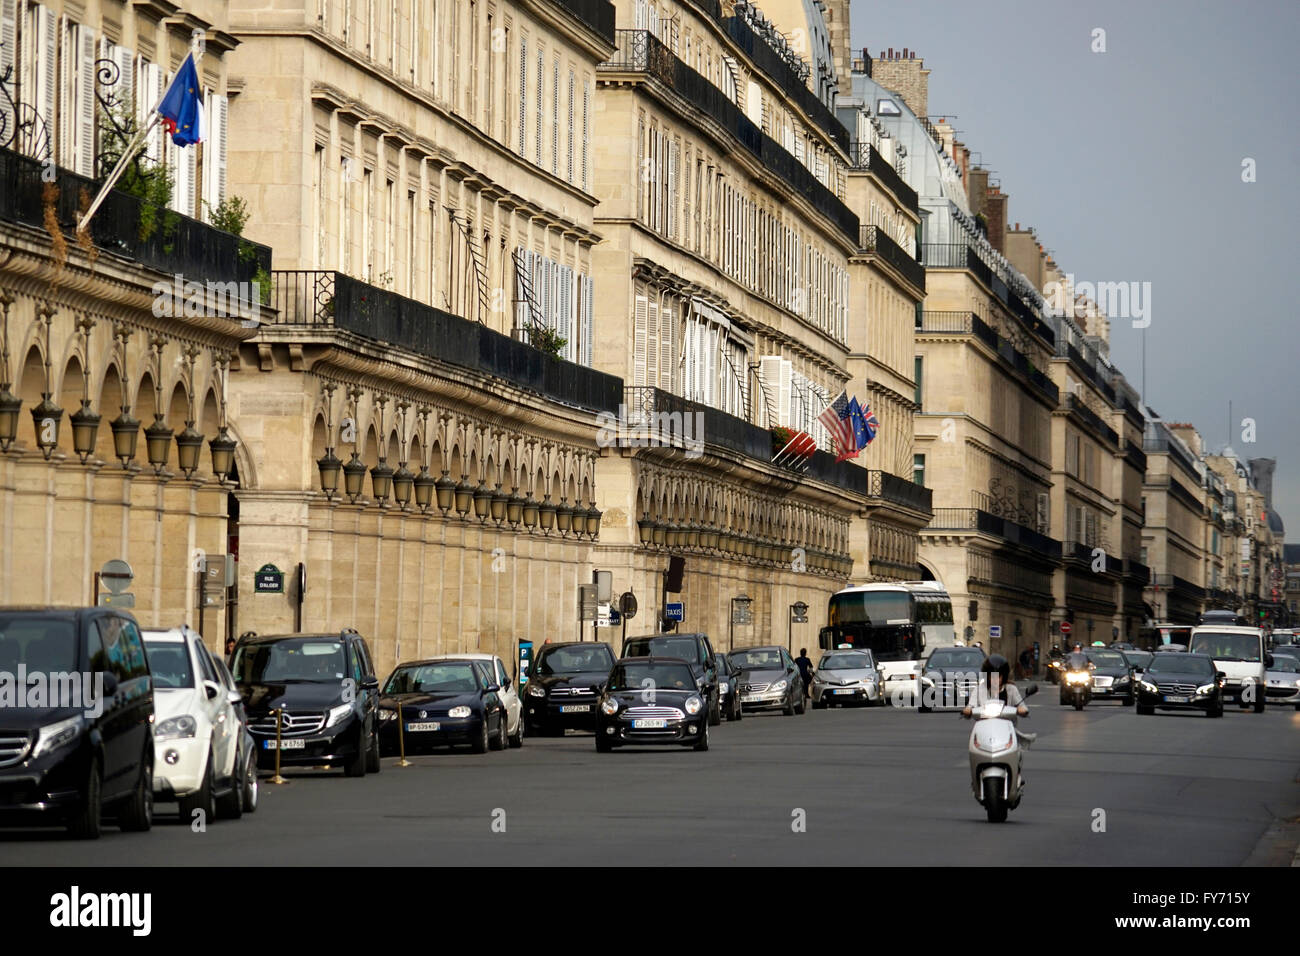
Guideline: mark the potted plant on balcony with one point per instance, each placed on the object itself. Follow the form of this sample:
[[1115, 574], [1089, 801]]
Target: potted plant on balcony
[[546, 339], [791, 447]]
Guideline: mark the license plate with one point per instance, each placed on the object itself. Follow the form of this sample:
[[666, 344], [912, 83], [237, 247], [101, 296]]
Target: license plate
[[421, 728], [575, 708], [285, 744], [1176, 700], [648, 724], [846, 691]]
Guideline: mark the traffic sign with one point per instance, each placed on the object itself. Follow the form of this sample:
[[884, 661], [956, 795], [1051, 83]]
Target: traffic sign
[[1066, 627], [627, 605], [675, 611], [268, 579], [614, 617], [995, 630], [602, 614], [117, 576]]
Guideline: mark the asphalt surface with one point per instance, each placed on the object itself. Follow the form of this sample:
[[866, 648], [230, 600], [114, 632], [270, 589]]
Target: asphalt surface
[[875, 786]]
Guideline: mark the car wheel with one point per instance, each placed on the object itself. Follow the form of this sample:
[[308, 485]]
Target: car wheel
[[715, 713], [250, 787], [231, 806], [740, 710], [788, 709], [201, 799], [373, 764], [703, 742], [136, 812], [500, 740], [1145, 711], [800, 707], [517, 740], [1260, 704], [85, 825], [1216, 711], [480, 744]]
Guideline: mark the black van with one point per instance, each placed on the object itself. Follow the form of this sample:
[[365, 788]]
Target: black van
[[325, 685], [696, 650], [76, 719]]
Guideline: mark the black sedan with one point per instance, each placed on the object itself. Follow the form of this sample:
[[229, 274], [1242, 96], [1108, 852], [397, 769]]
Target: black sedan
[[949, 677], [564, 686], [441, 703], [1181, 682], [652, 700], [1112, 675], [728, 687], [769, 680]]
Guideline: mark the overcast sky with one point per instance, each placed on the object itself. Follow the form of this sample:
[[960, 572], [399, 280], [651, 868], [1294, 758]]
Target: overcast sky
[[1128, 164]]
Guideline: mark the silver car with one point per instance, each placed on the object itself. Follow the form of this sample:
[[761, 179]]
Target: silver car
[[846, 677], [1282, 681]]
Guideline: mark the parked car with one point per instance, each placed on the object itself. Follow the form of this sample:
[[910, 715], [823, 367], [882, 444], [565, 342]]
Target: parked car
[[696, 650], [846, 677], [508, 692], [1181, 682], [769, 680], [85, 746], [561, 692], [1112, 675], [728, 687], [652, 700], [1240, 653], [324, 684], [1283, 680], [203, 753], [443, 702], [949, 676]]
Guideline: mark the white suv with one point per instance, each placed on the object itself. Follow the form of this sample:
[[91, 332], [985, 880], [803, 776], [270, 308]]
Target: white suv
[[203, 758], [508, 693], [1240, 654]]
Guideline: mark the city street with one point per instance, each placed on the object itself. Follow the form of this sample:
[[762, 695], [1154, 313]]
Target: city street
[[880, 786]]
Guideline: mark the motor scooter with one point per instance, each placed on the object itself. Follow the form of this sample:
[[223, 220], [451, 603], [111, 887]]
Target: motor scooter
[[1076, 686], [995, 754]]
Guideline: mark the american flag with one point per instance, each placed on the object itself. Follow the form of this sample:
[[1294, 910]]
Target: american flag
[[836, 420]]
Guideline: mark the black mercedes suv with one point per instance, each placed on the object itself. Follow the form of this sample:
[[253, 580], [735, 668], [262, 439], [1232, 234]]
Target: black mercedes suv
[[324, 687], [76, 719]]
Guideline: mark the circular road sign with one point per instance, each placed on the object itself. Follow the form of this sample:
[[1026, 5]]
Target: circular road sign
[[627, 605], [1066, 627], [117, 576]]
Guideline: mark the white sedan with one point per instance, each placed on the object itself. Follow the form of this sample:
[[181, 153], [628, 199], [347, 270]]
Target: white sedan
[[509, 692], [202, 757]]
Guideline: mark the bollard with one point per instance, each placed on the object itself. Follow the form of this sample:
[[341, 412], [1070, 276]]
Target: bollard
[[279, 723]]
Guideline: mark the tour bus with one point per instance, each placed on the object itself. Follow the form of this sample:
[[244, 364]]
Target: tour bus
[[896, 622]]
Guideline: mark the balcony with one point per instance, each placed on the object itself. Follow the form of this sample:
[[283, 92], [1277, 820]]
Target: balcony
[[1075, 406], [640, 51], [876, 241], [1135, 457], [776, 68], [864, 156], [334, 301], [1172, 582], [1083, 553], [598, 15], [1136, 571], [189, 248], [974, 519], [968, 322], [670, 413], [1173, 449]]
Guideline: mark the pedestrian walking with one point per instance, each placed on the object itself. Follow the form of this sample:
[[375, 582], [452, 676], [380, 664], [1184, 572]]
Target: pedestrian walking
[[805, 665]]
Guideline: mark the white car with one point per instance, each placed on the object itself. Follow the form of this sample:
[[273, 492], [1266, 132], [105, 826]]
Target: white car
[[509, 692], [1239, 654], [202, 754]]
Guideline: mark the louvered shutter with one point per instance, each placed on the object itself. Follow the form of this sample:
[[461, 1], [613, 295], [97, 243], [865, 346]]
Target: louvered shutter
[[588, 325], [219, 143], [541, 79], [673, 161], [124, 57], [569, 138], [640, 341], [565, 275], [8, 60], [586, 121], [652, 345], [85, 100], [523, 95], [47, 43], [667, 346], [555, 118]]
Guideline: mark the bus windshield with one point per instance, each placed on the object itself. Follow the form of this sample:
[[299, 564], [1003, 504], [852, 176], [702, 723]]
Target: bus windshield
[[871, 607], [888, 643]]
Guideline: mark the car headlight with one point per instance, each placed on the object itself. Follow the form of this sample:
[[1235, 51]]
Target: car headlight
[[53, 736], [1149, 687], [780, 686], [1206, 688], [387, 715], [723, 687], [609, 706], [176, 727], [693, 705], [536, 690], [338, 714], [461, 711]]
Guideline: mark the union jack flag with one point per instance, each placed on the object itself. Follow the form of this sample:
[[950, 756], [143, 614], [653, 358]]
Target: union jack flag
[[837, 419]]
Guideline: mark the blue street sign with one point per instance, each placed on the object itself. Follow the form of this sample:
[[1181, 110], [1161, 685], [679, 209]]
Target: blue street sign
[[675, 611], [995, 630], [525, 659], [614, 616]]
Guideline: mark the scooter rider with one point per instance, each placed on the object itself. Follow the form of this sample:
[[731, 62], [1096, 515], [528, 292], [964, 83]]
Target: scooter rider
[[997, 686]]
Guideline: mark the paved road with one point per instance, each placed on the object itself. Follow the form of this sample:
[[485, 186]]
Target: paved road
[[877, 786]]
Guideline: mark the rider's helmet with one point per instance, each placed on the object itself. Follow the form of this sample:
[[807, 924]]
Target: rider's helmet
[[996, 664]]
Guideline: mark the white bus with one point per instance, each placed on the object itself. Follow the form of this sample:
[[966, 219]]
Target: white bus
[[897, 622]]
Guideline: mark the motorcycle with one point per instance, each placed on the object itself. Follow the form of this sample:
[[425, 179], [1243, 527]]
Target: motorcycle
[[995, 753], [1076, 686]]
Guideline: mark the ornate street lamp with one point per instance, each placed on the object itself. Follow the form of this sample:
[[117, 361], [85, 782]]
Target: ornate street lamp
[[464, 496], [531, 511], [158, 443], [222, 447], [482, 501], [546, 515], [85, 427], [403, 485], [499, 502], [328, 464], [189, 445], [593, 521], [10, 405], [354, 476], [564, 517], [126, 435], [445, 492], [646, 529], [660, 533], [424, 485], [515, 507], [381, 480], [45, 419]]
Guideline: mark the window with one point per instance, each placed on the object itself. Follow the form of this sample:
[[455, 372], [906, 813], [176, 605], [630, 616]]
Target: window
[[523, 93], [918, 470], [569, 139], [555, 118], [586, 116], [918, 373], [541, 78]]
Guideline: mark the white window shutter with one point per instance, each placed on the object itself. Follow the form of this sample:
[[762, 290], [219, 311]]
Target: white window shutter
[[588, 330], [47, 43], [85, 99], [555, 117], [569, 143], [541, 108], [220, 143], [523, 94], [673, 162], [652, 345], [8, 59], [124, 58], [667, 343], [586, 121], [640, 340]]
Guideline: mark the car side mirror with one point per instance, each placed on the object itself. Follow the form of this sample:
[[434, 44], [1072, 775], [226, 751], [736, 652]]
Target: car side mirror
[[1032, 690], [1221, 675], [492, 688], [506, 684], [370, 683], [110, 683], [212, 689], [234, 697]]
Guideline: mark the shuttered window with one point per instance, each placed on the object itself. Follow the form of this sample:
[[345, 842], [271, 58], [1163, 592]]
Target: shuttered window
[[523, 94], [569, 140], [586, 129], [640, 340]]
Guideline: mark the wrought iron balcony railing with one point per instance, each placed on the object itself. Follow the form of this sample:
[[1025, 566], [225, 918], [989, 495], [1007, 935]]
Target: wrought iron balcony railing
[[332, 300], [877, 241], [865, 156], [974, 519], [596, 14]]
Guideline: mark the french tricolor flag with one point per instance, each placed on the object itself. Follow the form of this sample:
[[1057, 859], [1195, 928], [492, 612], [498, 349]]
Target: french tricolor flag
[[181, 107]]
